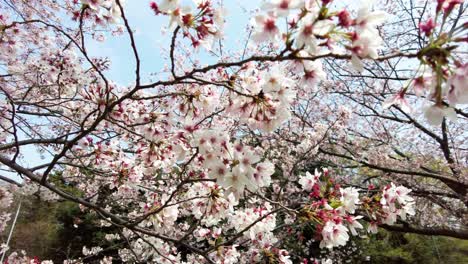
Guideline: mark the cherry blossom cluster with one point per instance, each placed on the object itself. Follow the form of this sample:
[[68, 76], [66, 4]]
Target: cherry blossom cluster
[[264, 99], [100, 11], [5, 118], [20, 258], [6, 198], [441, 76], [335, 211], [210, 164], [235, 166], [313, 28], [395, 202], [201, 26]]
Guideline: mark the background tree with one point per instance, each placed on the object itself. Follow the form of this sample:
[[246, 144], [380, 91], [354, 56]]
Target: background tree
[[213, 163]]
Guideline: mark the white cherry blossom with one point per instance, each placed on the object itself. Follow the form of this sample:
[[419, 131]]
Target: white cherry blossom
[[334, 235]]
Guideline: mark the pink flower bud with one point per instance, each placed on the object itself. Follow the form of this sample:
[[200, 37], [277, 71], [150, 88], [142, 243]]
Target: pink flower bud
[[440, 3], [450, 4], [344, 19], [155, 8], [427, 27]]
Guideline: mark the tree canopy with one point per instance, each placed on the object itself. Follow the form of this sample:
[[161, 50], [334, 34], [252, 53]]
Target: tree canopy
[[325, 121]]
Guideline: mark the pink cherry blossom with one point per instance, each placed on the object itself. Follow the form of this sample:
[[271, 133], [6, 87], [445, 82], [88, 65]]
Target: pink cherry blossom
[[398, 99], [334, 235], [265, 28], [435, 114]]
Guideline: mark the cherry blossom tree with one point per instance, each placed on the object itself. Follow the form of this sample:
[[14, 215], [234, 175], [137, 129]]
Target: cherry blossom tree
[[329, 122]]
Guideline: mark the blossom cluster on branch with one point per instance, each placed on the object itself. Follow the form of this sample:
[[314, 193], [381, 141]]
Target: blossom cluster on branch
[[213, 163]]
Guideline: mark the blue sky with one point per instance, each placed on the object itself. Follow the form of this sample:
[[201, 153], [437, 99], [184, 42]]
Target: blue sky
[[150, 40]]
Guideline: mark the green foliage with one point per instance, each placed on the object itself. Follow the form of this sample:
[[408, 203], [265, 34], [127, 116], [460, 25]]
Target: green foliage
[[56, 230], [388, 247], [36, 229]]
